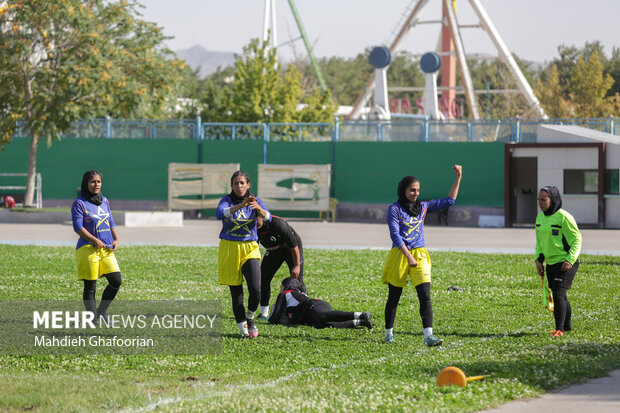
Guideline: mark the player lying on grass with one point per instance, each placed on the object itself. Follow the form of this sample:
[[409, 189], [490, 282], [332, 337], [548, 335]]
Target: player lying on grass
[[293, 307]]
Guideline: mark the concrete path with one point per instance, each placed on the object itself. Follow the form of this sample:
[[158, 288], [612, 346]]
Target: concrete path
[[321, 234], [600, 395]]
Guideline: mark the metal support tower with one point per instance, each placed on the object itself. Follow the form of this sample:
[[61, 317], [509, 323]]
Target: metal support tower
[[270, 11], [302, 31], [450, 14]]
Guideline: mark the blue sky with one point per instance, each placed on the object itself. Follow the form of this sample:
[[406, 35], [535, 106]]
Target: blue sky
[[533, 29]]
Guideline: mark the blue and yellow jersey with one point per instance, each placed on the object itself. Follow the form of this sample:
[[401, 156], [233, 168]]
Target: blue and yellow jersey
[[96, 219], [557, 238], [408, 230], [240, 226]]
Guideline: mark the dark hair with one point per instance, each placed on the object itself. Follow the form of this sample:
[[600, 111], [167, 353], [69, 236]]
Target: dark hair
[[85, 192], [413, 208], [88, 176], [404, 184], [292, 283], [239, 173]]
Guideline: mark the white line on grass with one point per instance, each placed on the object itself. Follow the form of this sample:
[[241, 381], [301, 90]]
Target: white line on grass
[[251, 386]]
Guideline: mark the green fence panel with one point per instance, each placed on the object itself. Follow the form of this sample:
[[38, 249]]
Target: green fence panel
[[299, 152], [132, 169], [368, 172], [248, 153], [362, 172]]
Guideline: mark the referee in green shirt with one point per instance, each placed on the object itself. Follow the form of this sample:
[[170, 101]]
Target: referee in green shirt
[[558, 243]]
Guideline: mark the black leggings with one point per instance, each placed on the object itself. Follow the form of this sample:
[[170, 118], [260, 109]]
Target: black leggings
[[559, 282], [90, 287], [251, 273], [272, 261], [424, 296], [322, 315]]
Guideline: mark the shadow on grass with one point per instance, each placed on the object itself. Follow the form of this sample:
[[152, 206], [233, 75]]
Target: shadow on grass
[[615, 263], [498, 335], [301, 336], [592, 361], [443, 334]]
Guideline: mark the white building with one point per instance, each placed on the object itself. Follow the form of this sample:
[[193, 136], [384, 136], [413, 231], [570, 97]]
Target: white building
[[573, 158]]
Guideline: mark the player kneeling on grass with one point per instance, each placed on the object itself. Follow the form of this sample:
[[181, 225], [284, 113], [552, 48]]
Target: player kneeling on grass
[[283, 245], [408, 256], [558, 242], [93, 222], [294, 307]]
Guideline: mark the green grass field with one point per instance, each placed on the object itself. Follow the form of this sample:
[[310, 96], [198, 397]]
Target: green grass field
[[495, 326]]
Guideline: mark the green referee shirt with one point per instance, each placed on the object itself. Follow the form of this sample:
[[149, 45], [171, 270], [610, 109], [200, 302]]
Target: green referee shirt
[[557, 237]]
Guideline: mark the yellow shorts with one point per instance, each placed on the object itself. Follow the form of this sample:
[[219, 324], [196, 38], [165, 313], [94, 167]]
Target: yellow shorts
[[231, 257], [397, 268], [93, 262]]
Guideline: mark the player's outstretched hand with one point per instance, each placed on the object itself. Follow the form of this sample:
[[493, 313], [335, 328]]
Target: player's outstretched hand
[[458, 170]]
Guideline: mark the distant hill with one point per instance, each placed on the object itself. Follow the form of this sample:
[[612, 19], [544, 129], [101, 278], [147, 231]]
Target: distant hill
[[197, 57]]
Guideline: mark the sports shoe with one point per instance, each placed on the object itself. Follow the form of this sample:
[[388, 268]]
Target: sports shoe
[[389, 338], [557, 333], [433, 341], [263, 317], [365, 319], [252, 329]]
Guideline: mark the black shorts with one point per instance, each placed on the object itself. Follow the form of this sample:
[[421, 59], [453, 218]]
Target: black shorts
[[561, 279]]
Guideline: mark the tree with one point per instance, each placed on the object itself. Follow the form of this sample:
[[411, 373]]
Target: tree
[[589, 86], [67, 60], [346, 78], [551, 96], [255, 86], [586, 92], [258, 90], [612, 66]]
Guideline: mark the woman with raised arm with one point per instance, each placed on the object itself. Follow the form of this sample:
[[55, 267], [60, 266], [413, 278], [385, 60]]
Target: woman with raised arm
[[408, 257]]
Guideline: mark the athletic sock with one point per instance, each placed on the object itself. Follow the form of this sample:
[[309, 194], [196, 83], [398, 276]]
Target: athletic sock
[[428, 331], [250, 315], [243, 328], [356, 322], [389, 331], [356, 315], [264, 310]]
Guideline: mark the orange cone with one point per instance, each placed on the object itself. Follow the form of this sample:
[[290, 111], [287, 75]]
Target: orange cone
[[454, 375]]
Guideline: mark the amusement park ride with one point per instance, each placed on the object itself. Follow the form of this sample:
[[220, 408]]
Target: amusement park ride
[[449, 54]]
